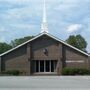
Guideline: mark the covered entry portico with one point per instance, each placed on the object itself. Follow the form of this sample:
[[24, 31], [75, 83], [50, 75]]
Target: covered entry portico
[[45, 66]]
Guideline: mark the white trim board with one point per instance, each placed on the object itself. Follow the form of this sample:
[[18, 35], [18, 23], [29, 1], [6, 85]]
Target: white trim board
[[41, 34], [75, 61]]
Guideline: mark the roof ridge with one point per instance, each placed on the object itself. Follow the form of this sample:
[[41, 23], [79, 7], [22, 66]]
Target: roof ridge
[[49, 36]]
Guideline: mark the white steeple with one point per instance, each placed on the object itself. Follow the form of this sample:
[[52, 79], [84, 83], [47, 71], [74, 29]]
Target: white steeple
[[44, 25]]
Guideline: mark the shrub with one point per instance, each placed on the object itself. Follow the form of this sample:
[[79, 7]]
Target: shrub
[[75, 71], [12, 72]]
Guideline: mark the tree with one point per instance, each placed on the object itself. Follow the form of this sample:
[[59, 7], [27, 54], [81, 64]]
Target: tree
[[4, 47], [77, 41], [19, 41]]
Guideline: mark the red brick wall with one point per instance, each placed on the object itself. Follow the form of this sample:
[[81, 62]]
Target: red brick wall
[[54, 51], [73, 55], [16, 60], [22, 58]]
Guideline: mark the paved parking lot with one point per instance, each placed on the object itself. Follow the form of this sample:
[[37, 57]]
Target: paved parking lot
[[45, 83]]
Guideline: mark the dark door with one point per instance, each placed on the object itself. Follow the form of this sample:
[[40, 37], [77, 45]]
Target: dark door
[[47, 66], [44, 65], [41, 66]]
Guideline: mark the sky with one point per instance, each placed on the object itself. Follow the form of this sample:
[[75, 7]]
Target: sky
[[20, 18]]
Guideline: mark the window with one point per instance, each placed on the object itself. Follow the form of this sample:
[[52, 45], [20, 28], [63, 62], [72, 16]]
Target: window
[[45, 65]]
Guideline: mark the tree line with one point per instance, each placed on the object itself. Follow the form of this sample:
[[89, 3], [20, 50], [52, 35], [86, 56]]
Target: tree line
[[5, 46], [75, 40]]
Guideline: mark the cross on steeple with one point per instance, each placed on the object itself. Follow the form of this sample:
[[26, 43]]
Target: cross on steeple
[[44, 25]]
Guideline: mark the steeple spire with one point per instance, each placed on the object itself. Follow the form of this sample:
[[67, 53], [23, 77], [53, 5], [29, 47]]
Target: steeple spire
[[44, 26]]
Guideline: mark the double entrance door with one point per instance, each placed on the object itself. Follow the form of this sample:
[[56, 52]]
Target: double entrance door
[[45, 66]]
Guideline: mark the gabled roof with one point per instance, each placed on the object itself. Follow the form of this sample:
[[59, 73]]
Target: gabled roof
[[41, 34]]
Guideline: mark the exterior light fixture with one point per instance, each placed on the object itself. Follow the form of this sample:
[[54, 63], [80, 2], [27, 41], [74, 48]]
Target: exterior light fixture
[[45, 51]]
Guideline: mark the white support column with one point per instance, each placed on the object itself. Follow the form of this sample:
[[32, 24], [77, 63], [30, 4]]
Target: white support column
[[39, 65], [35, 66], [55, 65], [50, 66], [44, 66]]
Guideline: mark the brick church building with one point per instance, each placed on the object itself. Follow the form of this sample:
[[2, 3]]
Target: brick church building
[[43, 55]]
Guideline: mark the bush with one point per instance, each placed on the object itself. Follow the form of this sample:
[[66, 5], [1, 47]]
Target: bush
[[75, 71], [12, 72]]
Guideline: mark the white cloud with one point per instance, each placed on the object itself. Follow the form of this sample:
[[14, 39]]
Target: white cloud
[[2, 29], [2, 39], [74, 28], [24, 16], [23, 26], [16, 1]]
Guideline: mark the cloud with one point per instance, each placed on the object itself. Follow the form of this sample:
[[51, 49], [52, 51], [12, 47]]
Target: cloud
[[2, 39], [2, 29], [73, 28], [23, 26], [23, 17]]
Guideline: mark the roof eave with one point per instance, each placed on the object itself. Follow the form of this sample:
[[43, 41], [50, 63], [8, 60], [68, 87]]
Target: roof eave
[[50, 36]]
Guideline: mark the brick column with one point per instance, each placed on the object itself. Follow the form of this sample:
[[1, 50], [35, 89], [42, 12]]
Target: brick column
[[63, 56], [59, 64], [0, 64], [29, 58], [59, 67], [89, 62]]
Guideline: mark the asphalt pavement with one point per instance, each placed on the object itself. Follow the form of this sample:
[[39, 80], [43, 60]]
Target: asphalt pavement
[[45, 83]]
